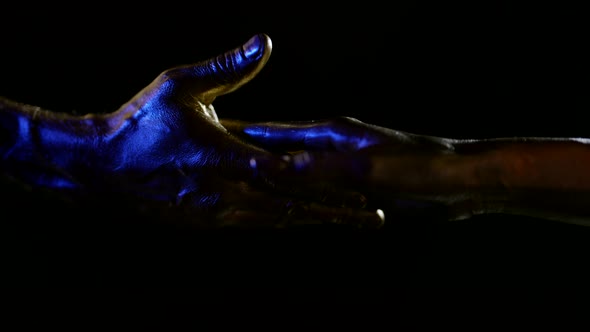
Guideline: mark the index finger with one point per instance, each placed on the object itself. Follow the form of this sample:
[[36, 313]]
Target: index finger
[[337, 134]]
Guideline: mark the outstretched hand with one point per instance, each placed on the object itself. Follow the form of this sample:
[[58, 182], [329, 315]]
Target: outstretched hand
[[385, 164], [167, 146]]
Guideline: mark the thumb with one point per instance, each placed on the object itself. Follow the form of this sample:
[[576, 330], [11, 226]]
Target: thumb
[[226, 72]]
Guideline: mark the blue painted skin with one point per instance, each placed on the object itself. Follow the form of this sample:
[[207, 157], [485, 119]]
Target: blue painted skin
[[378, 161], [166, 145], [542, 177]]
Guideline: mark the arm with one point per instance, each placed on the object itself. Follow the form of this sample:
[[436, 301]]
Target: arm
[[540, 177], [166, 151]]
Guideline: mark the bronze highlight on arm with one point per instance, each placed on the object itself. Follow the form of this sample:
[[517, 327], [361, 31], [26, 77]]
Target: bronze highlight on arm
[[539, 177]]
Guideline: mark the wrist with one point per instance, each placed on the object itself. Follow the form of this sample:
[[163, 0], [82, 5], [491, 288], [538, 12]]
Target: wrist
[[43, 148]]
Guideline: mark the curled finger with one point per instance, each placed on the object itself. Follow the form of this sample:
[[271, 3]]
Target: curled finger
[[247, 207]]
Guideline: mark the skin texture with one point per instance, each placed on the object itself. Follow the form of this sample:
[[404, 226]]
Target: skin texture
[[534, 176], [166, 149]]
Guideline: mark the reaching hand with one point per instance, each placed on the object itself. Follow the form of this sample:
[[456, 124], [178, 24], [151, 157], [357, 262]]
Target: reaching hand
[[380, 162], [167, 145]]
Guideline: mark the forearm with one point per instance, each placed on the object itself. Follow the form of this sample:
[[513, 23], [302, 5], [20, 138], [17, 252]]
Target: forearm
[[540, 177]]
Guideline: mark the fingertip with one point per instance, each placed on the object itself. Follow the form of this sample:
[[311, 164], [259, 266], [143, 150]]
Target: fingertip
[[381, 216], [232, 69], [257, 46], [375, 221]]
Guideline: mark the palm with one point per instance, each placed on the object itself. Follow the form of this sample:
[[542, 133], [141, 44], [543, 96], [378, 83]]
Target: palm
[[169, 145]]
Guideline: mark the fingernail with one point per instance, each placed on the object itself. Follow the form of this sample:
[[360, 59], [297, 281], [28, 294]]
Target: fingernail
[[374, 221], [381, 216], [253, 47]]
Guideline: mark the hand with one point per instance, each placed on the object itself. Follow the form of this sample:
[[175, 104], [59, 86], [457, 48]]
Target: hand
[[384, 164], [166, 145]]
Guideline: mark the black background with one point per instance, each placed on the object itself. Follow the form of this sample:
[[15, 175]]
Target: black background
[[458, 68], [448, 68]]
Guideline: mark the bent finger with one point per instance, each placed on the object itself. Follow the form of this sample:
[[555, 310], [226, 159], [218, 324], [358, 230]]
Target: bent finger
[[302, 213], [244, 206]]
